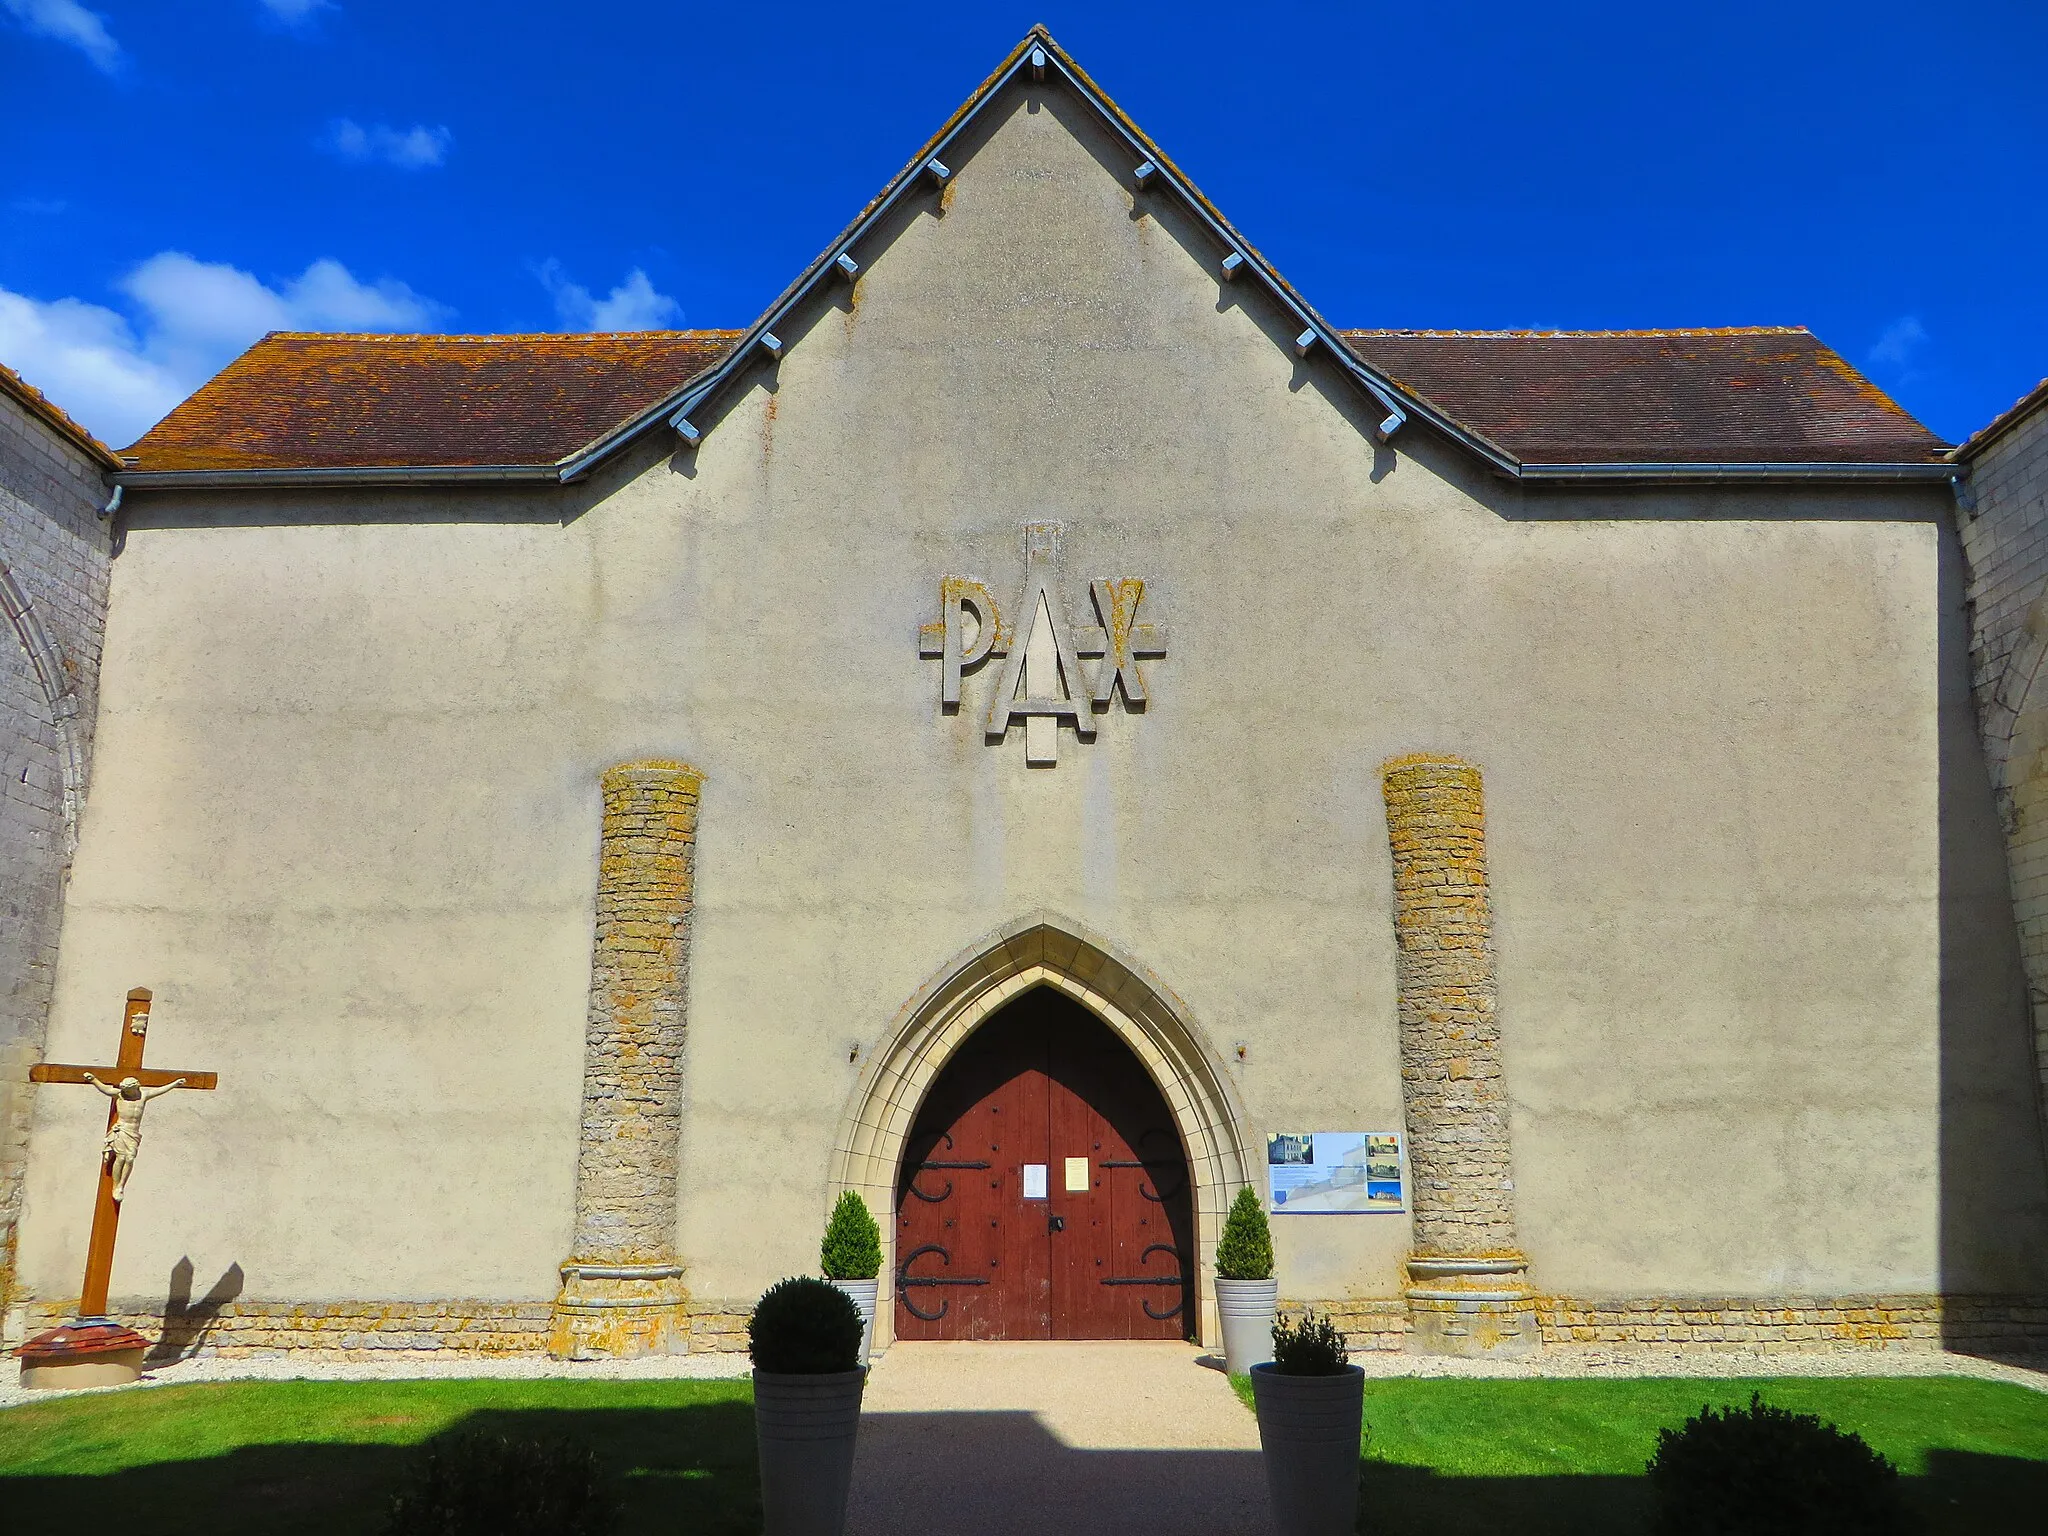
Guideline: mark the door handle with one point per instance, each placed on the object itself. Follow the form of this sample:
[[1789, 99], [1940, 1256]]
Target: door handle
[[1055, 1223]]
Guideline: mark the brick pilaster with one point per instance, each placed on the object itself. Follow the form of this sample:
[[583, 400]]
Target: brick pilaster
[[622, 1290], [1468, 1291]]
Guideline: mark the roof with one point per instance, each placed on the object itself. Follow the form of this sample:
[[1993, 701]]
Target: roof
[[37, 404], [491, 403], [303, 401], [1762, 395], [1758, 405], [2032, 401]]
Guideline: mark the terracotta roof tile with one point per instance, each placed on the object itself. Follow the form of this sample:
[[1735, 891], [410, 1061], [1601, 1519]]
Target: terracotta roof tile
[[296, 401], [1752, 396], [299, 401], [37, 404]]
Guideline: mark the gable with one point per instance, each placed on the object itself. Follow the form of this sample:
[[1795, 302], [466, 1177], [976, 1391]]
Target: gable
[[1756, 404]]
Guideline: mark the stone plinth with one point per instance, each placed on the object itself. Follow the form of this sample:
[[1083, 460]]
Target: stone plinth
[[622, 1285], [1468, 1291]]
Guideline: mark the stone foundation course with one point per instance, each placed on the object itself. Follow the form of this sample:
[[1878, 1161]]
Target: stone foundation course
[[2001, 1326]]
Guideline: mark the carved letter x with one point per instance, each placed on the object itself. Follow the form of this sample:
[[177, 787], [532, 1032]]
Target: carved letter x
[[1120, 641]]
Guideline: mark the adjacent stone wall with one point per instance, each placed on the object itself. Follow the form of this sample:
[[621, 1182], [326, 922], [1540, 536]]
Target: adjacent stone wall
[[2004, 525], [1466, 1291], [622, 1291], [54, 556]]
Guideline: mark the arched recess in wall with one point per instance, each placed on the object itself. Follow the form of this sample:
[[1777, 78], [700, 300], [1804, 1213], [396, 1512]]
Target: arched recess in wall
[[1050, 951], [2016, 751], [60, 691], [2010, 699]]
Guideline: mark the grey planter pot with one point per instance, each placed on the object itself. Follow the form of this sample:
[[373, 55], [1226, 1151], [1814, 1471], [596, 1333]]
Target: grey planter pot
[[1308, 1428], [804, 1429], [1246, 1308], [863, 1294]]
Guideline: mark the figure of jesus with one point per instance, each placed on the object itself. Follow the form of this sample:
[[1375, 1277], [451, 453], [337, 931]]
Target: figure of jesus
[[124, 1140]]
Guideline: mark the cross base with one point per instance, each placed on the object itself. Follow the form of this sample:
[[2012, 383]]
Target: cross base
[[87, 1352]]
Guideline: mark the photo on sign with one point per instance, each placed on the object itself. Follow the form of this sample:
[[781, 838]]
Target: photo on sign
[[1335, 1173]]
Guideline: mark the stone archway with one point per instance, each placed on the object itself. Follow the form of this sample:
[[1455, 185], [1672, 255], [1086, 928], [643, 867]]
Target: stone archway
[[1045, 950]]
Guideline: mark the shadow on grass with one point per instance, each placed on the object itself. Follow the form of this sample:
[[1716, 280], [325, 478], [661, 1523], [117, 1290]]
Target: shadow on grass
[[689, 1471], [1960, 1491], [682, 1471]]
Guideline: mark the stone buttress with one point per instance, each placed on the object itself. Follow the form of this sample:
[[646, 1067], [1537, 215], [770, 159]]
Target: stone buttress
[[622, 1285], [1468, 1290]]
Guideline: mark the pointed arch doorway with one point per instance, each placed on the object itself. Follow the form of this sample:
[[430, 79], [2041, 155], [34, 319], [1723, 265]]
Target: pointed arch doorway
[[1044, 951], [1044, 1193]]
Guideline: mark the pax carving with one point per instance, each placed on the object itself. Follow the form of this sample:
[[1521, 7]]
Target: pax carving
[[1044, 678]]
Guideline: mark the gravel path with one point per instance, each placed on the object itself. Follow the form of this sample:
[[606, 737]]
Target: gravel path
[[1049, 1439], [1557, 1362], [302, 1368]]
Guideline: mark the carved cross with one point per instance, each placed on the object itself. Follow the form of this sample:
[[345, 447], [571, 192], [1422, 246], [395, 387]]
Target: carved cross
[[106, 1211]]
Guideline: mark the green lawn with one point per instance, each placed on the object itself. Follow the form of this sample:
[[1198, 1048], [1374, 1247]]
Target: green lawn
[[319, 1457], [1567, 1456], [1534, 1457]]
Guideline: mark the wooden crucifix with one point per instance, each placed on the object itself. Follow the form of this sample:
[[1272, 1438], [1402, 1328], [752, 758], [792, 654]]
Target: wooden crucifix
[[93, 1339]]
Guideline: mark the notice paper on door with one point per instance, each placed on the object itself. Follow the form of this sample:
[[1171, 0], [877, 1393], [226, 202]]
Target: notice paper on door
[[1077, 1175], [1034, 1181]]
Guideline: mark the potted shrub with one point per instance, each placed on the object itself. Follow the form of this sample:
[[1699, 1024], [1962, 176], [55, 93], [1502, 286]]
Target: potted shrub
[[804, 1337], [851, 1257], [1246, 1292], [1311, 1405]]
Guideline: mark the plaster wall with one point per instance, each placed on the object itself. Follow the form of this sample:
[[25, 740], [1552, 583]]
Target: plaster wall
[[347, 815]]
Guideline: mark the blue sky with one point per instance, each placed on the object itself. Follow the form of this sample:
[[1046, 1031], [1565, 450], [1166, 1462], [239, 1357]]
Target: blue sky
[[182, 176]]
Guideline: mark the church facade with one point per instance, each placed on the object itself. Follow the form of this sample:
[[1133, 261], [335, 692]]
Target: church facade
[[1043, 729]]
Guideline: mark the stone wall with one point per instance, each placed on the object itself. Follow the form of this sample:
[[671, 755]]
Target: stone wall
[[365, 1330], [2004, 524], [2003, 1326], [54, 553]]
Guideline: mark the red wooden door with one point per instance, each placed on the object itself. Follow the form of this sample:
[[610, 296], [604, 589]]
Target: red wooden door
[[1098, 1244]]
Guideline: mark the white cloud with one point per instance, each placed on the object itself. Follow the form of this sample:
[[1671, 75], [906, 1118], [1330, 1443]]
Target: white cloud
[[191, 317], [410, 149], [69, 22], [632, 306], [294, 10], [87, 359], [1901, 339]]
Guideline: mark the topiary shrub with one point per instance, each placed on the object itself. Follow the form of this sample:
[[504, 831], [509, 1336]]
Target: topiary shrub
[[1309, 1346], [488, 1485], [1245, 1251], [852, 1249], [804, 1327], [1765, 1471]]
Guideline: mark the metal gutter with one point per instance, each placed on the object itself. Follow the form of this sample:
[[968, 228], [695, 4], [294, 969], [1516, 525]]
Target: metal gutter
[[1940, 473], [386, 474]]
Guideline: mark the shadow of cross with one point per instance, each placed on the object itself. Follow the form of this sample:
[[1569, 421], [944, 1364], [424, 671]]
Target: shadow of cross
[[123, 1138]]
